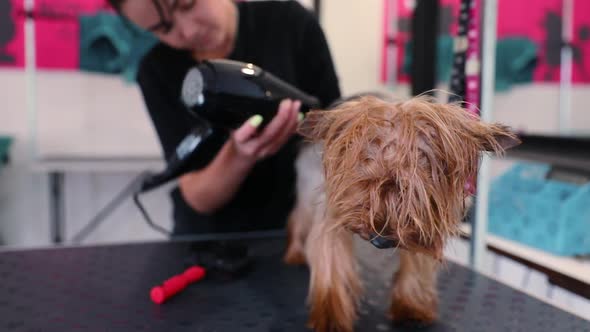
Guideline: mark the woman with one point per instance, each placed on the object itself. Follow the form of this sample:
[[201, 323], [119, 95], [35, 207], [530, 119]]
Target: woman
[[249, 180]]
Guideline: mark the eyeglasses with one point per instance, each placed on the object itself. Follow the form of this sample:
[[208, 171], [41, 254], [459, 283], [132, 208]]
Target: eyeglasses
[[165, 12]]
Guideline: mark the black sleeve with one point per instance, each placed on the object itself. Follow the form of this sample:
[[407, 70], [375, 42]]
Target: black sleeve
[[161, 88], [319, 76], [160, 84], [165, 111]]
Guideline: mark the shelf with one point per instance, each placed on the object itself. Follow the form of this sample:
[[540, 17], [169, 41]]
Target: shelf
[[572, 274], [567, 152]]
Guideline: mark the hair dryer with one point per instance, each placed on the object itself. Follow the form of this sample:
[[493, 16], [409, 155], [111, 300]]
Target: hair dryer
[[227, 93], [224, 94]]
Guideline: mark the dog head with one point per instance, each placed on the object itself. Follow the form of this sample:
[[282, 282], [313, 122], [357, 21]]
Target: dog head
[[396, 172]]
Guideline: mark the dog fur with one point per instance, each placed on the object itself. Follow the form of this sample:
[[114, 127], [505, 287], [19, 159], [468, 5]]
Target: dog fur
[[383, 170]]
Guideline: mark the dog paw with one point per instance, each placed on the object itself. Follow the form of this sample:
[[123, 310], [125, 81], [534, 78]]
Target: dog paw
[[414, 314], [294, 257], [412, 325]]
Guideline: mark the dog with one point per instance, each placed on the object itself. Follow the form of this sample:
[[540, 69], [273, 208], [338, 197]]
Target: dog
[[396, 174]]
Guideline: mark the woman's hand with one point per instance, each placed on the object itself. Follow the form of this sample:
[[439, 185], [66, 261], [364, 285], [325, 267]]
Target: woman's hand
[[209, 189], [253, 145]]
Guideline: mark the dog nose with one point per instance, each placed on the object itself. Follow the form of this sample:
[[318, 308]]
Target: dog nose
[[383, 243]]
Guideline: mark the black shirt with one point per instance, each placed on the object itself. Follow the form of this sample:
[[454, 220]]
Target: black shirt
[[281, 37]]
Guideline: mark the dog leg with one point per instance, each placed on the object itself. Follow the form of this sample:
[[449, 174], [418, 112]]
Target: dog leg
[[414, 294], [297, 231], [309, 207], [334, 284]]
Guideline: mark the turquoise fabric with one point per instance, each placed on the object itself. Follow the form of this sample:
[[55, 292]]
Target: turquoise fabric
[[516, 58], [5, 143], [112, 45], [444, 58]]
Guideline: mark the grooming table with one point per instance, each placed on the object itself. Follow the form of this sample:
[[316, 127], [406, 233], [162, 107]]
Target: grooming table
[[106, 288]]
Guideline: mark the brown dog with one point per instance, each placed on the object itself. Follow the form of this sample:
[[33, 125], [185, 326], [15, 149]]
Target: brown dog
[[395, 173]]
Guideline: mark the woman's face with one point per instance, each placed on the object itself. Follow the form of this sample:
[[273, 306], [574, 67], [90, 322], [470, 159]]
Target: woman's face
[[205, 27]]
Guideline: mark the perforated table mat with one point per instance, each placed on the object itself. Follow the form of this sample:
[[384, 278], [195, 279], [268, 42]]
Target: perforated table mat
[[106, 288]]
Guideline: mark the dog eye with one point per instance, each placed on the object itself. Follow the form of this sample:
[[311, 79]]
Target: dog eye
[[380, 242], [186, 4]]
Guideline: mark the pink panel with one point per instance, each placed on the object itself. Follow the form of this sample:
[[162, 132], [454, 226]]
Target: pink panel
[[535, 21], [57, 44], [473, 89], [581, 41], [12, 36], [58, 31], [538, 20], [68, 8], [403, 13], [387, 34]]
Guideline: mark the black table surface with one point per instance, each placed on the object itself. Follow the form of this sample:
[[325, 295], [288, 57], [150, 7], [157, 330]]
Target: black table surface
[[106, 288]]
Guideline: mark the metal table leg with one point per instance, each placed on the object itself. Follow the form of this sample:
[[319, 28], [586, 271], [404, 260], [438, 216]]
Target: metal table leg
[[57, 206], [127, 191]]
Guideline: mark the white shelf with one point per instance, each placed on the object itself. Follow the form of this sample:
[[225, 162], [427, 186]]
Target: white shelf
[[576, 268]]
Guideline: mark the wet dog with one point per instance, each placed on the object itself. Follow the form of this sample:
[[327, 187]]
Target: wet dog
[[394, 173]]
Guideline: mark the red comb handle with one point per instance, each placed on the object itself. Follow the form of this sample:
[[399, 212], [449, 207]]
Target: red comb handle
[[176, 284], [194, 274]]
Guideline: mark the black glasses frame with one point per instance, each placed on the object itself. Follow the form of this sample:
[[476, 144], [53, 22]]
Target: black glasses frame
[[165, 23]]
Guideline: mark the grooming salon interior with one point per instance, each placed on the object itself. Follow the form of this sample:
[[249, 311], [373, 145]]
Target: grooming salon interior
[[224, 165]]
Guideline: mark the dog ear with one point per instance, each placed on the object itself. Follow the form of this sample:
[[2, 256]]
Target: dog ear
[[497, 137], [316, 124], [314, 127]]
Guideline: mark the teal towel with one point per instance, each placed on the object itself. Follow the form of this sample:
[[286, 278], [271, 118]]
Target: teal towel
[[112, 45], [516, 62], [444, 58], [516, 59], [5, 143]]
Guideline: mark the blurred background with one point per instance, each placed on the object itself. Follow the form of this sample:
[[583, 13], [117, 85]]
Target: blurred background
[[74, 131]]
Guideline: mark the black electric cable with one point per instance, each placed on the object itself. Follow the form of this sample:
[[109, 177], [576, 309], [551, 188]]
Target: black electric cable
[[147, 217], [133, 186]]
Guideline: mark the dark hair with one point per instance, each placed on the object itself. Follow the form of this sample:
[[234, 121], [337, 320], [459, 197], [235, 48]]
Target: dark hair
[[116, 4]]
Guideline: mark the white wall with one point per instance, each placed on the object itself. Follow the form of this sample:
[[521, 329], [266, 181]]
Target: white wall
[[23, 213], [76, 115], [353, 29]]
